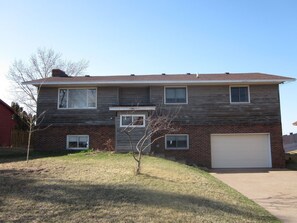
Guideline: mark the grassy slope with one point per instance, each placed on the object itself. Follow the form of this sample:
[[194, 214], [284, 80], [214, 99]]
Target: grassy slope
[[102, 188]]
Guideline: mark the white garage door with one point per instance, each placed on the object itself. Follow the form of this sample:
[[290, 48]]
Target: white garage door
[[240, 151]]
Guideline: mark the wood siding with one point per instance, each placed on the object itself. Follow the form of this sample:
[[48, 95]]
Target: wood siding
[[134, 96], [207, 105], [122, 140], [7, 124], [106, 97], [210, 105]]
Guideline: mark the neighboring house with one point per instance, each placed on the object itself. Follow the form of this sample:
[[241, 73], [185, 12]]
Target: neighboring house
[[290, 142], [226, 120], [6, 124]]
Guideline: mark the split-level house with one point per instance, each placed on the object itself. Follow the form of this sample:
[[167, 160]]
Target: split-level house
[[228, 120]]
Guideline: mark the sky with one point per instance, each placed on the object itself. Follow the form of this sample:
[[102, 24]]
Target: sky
[[158, 36]]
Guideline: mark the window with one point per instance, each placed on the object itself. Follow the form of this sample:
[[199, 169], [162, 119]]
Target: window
[[132, 120], [77, 98], [176, 95], [77, 141], [177, 141], [239, 94]]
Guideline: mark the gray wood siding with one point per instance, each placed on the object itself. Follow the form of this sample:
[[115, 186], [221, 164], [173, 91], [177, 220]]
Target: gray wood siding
[[134, 96], [211, 105], [122, 140], [206, 105], [106, 97]]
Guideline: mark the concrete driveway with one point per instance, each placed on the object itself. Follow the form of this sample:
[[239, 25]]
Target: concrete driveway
[[275, 190]]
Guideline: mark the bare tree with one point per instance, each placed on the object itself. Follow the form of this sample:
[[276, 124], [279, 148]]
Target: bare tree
[[29, 122], [32, 122], [39, 66], [159, 123]]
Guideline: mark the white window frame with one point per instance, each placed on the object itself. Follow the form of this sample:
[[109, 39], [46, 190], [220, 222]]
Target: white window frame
[[243, 102], [177, 148], [132, 115], [84, 88], [76, 148], [181, 103]]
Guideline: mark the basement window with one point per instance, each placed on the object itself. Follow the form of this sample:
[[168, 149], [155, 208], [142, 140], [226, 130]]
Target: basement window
[[177, 141], [77, 142]]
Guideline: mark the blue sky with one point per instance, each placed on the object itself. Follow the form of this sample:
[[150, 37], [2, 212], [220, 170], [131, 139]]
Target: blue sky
[[146, 36]]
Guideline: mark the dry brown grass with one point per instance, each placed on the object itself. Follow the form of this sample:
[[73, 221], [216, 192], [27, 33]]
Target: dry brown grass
[[102, 188]]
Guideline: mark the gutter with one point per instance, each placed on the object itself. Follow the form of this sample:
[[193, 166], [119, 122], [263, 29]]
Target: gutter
[[206, 82]]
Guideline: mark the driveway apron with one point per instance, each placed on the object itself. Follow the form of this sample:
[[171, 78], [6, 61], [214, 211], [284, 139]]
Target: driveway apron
[[273, 189]]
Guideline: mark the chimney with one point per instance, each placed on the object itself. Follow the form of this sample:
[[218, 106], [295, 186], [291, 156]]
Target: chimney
[[58, 73]]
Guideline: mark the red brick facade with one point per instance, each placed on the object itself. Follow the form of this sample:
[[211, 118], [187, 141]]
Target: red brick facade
[[54, 137], [199, 153], [199, 142]]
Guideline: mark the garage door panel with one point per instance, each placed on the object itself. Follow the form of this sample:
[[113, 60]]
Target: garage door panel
[[240, 151]]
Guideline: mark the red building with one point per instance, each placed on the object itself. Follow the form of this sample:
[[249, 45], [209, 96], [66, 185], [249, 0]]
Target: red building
[[6, 124]]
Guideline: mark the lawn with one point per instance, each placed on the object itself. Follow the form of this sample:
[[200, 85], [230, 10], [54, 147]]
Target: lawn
[[101, 187]]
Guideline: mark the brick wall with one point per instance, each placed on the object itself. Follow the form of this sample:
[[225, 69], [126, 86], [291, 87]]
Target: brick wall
[[199, 142], [54, 137]]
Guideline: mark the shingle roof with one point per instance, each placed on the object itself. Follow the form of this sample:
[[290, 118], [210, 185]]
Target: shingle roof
[[164, 79]]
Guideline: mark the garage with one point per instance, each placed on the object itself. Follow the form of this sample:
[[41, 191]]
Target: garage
[[240, 150]]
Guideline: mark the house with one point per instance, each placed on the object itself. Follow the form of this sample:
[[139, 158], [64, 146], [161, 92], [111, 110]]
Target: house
[[290, 142], [228, 120], [6, 124]]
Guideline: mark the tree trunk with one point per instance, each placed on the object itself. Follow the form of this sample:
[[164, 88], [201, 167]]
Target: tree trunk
[[138, 164], [29, 143]]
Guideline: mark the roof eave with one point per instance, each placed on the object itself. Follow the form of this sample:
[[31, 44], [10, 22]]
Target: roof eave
[[198, 82]]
